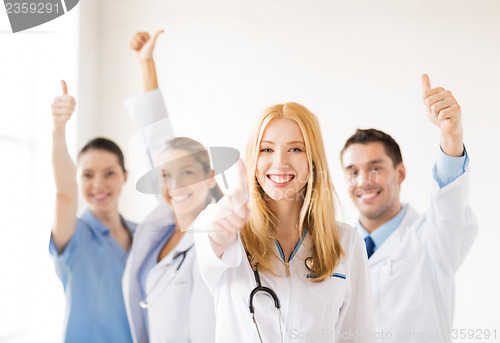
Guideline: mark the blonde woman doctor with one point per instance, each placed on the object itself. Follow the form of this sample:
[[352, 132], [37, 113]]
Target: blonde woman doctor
[[283, 270], [165, 297]]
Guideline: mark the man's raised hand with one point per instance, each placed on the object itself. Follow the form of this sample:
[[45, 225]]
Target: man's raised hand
[[444, 111]]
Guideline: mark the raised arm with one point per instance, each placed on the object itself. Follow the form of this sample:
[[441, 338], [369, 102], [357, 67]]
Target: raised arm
[[64, 172], [450, 226], [143, 46], [148, 111], [216, 231]]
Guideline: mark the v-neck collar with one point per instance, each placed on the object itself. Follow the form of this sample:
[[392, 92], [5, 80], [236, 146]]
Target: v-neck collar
[[104, 231], [295, 249]]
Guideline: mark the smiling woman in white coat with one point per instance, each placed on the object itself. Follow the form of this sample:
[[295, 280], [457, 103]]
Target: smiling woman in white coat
[[280, 267], [165, 296]]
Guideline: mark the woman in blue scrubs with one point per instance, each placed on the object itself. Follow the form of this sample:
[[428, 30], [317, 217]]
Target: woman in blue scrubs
[[90, 251]]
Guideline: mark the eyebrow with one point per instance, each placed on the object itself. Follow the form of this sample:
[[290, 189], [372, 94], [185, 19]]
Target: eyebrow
[[183, 167], [375, 162], [105, 169], [352, 166], [292, 142]]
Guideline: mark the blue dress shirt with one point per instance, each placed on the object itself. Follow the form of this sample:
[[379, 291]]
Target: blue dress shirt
[[446, 170], [91, 269]]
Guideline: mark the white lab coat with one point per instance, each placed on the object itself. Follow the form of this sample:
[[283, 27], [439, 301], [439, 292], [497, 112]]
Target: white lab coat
[[180, 310], [413, 272], [310, 312]]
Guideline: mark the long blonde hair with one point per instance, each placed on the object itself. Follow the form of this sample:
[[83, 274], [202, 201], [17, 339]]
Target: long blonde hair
[[318, 210]]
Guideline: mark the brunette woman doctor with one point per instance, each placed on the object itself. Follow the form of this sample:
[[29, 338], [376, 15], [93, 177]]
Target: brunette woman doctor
[[165, 296]]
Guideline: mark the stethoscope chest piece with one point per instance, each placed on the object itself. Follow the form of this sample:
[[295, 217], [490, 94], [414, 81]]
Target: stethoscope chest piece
[[309, 263]]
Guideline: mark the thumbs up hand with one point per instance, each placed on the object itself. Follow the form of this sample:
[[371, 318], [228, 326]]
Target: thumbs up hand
[[144, 45], [230, 214], [444, 112], [63, 106]]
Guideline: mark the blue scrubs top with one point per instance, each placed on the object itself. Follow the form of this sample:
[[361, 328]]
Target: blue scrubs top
[[91, 269]]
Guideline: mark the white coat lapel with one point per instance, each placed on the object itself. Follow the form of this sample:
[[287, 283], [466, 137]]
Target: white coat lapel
[[148, 233], [394, 240]]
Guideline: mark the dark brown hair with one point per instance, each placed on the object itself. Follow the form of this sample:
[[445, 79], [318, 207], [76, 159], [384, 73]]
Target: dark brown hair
[[371, 136], [105, 144]]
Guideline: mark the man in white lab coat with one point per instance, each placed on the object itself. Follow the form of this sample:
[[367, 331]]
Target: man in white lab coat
[[413, 258]]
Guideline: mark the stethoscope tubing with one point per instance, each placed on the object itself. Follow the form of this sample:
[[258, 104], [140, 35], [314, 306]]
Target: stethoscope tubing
[[270, 292], [144, 302]]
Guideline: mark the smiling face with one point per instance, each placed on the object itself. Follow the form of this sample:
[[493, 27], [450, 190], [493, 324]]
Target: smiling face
[[186, 183], [282, 167], [373, 181], [100, 179]]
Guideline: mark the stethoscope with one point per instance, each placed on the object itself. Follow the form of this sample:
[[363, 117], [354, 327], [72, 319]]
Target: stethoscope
[[269, 292], [308, 262], [144, 303]]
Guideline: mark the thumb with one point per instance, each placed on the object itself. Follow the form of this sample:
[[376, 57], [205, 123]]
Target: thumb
[[426, 83], [64, 87], [239, 193], [159, 32]]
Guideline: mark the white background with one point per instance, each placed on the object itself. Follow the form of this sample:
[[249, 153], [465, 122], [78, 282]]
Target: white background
[[353, 63]]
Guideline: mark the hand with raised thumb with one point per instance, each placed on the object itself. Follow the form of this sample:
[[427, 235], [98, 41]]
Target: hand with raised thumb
[[444, 111], [63, 106], [230, 214], [144, 45]]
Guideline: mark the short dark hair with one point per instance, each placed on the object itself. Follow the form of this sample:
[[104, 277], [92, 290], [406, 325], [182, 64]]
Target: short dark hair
[[105, 144], [371, 136]]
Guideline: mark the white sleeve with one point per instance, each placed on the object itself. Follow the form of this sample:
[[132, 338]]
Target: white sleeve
[[212, 267], [150, 117], [153, 129], [356, 323], [201, 311], [449, 226]]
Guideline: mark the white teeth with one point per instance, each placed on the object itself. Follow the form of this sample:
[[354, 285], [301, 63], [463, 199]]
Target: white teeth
[[280, 179], [179, 198], [368, 196], [100, 196]]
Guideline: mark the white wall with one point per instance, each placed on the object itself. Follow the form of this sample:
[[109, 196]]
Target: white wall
[[32, 63], [353, 63]]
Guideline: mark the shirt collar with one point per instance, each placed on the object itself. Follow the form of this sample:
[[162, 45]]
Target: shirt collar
[[88, 217], [380, 235]]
